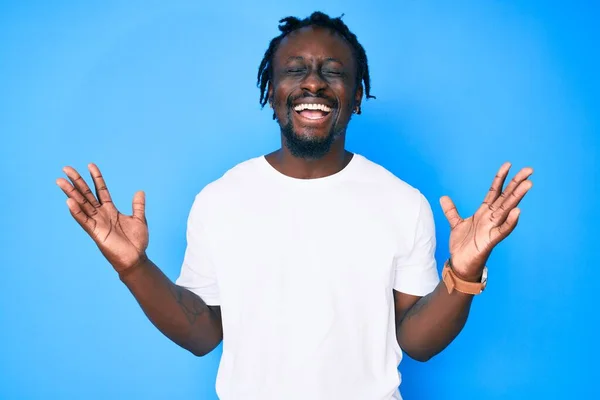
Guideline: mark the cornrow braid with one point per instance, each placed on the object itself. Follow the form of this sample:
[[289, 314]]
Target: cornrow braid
[[291, 24]]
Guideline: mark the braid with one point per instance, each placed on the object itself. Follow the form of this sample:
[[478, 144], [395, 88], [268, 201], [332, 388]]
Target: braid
[[290, 24]]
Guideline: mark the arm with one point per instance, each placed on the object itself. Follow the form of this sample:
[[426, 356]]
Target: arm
[[426, 325], [178, 313]]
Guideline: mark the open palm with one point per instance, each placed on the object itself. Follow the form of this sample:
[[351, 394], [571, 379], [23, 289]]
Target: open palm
[[122, 239], [472, 239]]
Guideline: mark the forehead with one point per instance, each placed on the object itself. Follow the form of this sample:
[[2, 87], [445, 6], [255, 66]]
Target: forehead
[[314, 42]]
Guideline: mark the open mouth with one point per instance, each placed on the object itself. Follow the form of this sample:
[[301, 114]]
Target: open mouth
[[313, 112]]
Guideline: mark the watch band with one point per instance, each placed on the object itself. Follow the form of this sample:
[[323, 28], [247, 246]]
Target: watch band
[[453, 282]]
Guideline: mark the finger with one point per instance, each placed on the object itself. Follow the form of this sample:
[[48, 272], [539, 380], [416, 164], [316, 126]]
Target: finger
[[515, 181], [497, 184], [500, 232], [512, 201], [139, 206], [87, 223], [450, 211], [101, 190], [81, 186], [76, 195]]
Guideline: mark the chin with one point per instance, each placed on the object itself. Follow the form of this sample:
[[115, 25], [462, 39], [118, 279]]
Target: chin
[[312, 134], [307, 142]]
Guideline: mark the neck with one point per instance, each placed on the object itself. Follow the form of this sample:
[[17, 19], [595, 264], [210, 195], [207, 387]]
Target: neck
[[301, 168]]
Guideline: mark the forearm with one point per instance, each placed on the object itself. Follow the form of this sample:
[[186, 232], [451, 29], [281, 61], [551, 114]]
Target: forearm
[[178, 313], [433, 322]]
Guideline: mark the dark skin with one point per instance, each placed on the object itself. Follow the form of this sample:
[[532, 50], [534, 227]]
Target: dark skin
[[178, 313], [318, 65], [316, 62]]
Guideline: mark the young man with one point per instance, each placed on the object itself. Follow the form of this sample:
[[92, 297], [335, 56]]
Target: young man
[[314, 265]]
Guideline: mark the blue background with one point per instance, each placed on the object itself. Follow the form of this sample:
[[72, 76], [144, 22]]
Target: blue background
[[162, 96]]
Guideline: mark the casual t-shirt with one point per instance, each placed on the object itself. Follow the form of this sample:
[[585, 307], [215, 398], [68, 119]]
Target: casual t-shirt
[[303, 270]]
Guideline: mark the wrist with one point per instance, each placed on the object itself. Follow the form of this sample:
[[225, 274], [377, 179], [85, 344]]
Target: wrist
[[460, 273], [127, 271], [468, 284]]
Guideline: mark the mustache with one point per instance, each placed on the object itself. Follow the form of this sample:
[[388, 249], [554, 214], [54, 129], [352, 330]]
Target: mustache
[[292, 99]]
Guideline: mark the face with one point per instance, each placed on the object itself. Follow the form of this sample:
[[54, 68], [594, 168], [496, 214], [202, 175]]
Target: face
[[313, 90]]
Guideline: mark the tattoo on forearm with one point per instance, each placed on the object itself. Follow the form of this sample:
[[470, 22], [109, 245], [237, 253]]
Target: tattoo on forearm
[[191, 305]]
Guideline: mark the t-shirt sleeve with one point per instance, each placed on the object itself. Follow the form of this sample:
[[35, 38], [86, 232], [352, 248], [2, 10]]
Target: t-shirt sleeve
[[416, 272], [198, 271]]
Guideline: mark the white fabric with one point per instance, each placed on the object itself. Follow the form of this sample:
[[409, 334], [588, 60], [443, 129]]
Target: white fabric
[[303, 270]]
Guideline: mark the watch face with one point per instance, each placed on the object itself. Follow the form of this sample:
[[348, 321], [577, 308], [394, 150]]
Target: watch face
[[484, 275]]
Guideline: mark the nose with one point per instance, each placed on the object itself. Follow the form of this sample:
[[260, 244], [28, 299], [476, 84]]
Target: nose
[[314, 82]]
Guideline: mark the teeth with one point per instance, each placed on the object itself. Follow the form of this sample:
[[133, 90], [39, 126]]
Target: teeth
[[302, 107]]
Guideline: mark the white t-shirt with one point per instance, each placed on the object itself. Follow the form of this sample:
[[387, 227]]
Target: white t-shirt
[[303, 270]]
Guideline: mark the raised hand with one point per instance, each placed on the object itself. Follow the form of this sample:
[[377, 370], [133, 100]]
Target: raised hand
[[122, 239], [472, 239]]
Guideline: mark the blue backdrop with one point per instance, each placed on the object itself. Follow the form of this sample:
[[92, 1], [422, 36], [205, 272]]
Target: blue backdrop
[[162, 96]]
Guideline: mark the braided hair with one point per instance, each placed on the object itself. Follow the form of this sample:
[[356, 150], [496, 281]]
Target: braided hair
[[291, 24]]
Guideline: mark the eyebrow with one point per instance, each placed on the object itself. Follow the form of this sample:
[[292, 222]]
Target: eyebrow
[[334, 60], [300, 58], [295, 58]]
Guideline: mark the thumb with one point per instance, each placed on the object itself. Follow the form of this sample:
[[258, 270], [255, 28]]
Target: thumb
[[139, 206], [450, 211]]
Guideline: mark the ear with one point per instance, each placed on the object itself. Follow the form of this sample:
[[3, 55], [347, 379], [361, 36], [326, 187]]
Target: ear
[[359, 94]]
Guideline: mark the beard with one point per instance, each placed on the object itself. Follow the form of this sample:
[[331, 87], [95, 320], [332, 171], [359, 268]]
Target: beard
[[308, 147]]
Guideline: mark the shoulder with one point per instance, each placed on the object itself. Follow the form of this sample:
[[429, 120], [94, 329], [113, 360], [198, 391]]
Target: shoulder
[[406, 208], [388, 184], [231, 184]]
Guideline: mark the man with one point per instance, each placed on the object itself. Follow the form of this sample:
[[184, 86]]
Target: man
[[315, 266]]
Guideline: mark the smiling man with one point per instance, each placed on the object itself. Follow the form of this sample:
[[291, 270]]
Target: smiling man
[[314, 265], [314, 77]]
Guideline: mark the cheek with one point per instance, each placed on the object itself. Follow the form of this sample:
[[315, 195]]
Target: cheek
[[280, 106], [278, 99], [281, 89], [347, 106], [345, 95]]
